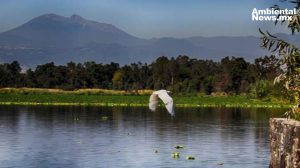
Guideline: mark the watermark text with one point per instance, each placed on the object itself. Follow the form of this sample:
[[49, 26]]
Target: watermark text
[[272, 14]]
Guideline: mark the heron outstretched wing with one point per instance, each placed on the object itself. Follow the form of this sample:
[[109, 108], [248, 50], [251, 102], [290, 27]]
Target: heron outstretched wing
[[153, 101], [168, 101], [170, 108]]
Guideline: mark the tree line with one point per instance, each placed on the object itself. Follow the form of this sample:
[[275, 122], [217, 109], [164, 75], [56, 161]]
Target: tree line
[[231, 75]]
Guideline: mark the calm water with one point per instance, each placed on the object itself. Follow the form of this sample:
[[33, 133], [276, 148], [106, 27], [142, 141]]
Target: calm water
[[79, 137]]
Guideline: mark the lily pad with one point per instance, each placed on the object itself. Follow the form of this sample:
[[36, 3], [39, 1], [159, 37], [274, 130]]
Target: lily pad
[[104, 118], [179, 147], [175, 155], [190, 158]]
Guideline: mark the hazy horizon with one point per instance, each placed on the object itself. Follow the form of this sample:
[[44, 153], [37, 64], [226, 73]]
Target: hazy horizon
[[150, 19]]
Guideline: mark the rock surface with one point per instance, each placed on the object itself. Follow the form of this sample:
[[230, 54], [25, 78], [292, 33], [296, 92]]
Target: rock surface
[[285, 143]]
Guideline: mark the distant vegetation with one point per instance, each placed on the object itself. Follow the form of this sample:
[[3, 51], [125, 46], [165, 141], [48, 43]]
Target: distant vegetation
[[100, 97], [182, 75]]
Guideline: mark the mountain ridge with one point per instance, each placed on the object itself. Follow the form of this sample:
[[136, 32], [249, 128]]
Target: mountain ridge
[[51, 37]]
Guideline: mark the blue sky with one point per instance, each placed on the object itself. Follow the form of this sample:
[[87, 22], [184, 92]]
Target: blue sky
[[149, 18]]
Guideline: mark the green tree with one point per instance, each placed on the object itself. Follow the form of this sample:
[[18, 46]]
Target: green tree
[[117, 79], [236, 70], [161, 74], [3, 76], [261, 89], [30, 79], [14, 77], [268, 67], [45, 76], [289, 55]]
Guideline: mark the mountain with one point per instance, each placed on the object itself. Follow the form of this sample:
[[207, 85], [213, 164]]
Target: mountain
[[54, 31], [60, 39]]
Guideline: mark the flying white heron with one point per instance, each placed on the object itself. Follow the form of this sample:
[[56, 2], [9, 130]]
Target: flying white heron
[[165, 97]]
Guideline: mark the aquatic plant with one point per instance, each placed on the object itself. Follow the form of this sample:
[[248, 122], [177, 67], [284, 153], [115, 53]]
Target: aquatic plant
[[71, 99], [179, 147], [175, 155], [190, 157], [104, 118]]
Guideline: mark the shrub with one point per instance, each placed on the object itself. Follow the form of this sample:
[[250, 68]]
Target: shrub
[[261, 89]]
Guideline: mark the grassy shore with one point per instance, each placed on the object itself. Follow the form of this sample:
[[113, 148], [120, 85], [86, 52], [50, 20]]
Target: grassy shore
[[100, 97]]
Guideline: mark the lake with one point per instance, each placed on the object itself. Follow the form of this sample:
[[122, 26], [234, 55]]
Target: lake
[[47, 136]]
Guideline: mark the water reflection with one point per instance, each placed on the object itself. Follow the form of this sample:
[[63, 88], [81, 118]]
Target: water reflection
[[80, 137]]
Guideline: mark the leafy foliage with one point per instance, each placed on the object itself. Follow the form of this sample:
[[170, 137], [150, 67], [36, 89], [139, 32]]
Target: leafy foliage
[[288, 55], [261, 88]]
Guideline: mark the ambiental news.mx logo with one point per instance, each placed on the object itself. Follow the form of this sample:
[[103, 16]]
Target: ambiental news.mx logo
[[273, 14]]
